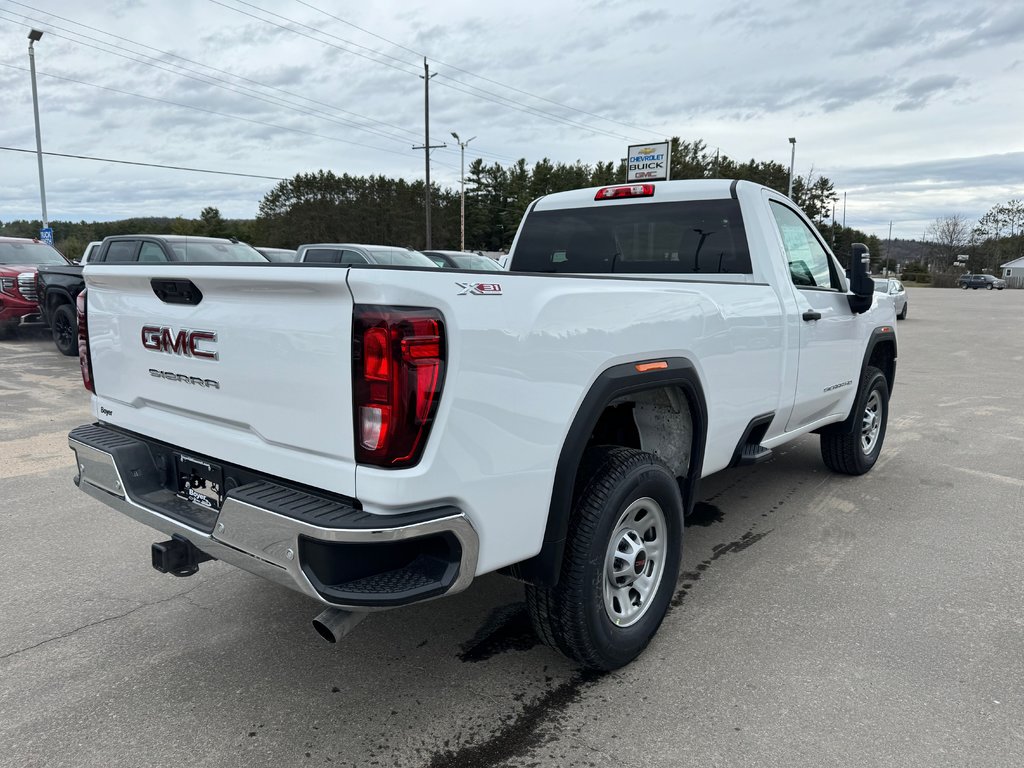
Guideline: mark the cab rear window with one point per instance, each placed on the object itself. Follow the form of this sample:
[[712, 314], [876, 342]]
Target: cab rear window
[[694, 237]]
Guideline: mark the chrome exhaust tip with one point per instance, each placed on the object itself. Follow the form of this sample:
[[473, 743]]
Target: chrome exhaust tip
[[334, 623]]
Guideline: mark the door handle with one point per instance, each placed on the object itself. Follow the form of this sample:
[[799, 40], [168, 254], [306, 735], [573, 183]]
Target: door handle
[[812, 314]]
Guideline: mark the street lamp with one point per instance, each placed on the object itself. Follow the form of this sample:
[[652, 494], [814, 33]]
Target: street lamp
[[33, 37], [792, 160], [462, 184]]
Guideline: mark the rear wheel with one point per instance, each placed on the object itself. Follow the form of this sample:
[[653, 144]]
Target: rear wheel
[[989, 286], [855, 452], [620, 564], [65, 330], [964, 286]]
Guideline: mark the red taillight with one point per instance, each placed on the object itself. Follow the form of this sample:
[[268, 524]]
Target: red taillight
[[628, 190], [397, 371], [84, 358]]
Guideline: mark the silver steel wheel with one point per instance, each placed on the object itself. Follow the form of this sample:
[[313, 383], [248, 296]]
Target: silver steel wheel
[[872, 423], [635, 561]]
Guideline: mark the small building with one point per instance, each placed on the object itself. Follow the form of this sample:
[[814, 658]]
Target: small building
[[1013, 273]]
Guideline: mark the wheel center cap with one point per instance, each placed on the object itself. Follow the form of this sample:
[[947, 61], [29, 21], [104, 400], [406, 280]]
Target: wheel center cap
[[640, 563]]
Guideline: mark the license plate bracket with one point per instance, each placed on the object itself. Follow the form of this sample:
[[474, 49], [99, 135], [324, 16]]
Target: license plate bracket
[[198, 481]]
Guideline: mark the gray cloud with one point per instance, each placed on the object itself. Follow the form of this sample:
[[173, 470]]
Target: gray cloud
[[918, 93]]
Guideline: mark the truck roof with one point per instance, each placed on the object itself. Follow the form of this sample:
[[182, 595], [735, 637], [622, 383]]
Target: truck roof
[[664, 192]]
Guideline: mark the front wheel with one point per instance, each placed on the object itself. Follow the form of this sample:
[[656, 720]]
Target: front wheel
[[989, 286], [903, 315], [964, 286], [620, 564], [854, 453], [65, 330]]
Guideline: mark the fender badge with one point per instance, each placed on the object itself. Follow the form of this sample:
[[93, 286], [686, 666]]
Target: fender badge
[[479, 289]]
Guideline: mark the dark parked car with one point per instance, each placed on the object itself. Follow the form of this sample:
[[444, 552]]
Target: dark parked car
[[981, 281], [462, 260], [894, 288], [59, 286]]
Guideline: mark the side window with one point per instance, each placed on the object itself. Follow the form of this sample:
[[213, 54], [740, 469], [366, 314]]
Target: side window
[[121, 251], [351, 257], [809, 264], [152, 252], [322, 256]]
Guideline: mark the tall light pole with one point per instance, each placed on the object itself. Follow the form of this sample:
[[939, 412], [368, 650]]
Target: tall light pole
[[33, 38], [462, 185], [792, 160]]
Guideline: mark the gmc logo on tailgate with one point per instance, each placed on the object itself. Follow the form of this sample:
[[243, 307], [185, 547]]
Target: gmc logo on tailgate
[[184, 342]]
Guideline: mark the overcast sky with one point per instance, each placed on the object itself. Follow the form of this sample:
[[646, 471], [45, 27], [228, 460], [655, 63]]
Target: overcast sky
[[914, 109]]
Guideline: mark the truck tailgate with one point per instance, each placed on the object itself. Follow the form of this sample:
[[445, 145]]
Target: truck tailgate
[[257, 373]]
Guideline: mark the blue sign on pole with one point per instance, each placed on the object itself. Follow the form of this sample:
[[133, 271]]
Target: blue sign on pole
[[46, 235]]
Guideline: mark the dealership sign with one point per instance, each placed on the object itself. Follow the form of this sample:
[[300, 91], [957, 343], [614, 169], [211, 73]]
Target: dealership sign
[[647, 162]]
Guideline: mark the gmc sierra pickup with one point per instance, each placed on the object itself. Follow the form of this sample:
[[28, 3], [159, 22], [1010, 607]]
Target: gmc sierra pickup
[[377, 436]]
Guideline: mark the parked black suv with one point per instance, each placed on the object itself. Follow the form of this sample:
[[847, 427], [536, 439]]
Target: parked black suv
[[981, 281]]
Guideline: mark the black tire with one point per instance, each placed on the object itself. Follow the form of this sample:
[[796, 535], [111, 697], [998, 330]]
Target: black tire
[[850, 452], [572, 617], [989, 286], [65, 330], [903, 315], [964, 286], [7, 330]]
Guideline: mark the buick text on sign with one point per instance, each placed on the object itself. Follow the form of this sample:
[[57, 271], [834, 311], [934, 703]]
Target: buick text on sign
[[647, 162]]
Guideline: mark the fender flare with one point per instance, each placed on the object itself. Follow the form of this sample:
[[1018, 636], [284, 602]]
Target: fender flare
[[883, 334], [614, 382]]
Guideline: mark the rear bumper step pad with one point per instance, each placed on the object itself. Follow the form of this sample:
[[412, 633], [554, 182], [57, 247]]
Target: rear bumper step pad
[[321, 546]]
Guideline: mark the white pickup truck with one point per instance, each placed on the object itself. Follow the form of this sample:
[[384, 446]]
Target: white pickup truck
[[377, 436]]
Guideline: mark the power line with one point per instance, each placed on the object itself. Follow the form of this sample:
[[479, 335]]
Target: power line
[[147, 165], [212, 80], [494, 98], [207, 66], [214, 112], [467, 72]]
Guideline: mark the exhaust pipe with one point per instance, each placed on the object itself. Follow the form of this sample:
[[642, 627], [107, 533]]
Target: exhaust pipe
[[334, 623]]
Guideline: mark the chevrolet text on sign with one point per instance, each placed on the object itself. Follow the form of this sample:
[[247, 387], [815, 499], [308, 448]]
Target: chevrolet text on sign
[[647, 162]]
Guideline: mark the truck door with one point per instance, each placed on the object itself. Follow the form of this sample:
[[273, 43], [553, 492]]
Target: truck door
[[829, 365]]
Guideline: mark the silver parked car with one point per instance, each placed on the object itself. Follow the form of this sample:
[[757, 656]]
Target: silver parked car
[[463, 260], [355, 254], [894, 288]]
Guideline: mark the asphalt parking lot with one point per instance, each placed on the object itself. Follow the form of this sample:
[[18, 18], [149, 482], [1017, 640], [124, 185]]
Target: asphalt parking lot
[[820, 620]]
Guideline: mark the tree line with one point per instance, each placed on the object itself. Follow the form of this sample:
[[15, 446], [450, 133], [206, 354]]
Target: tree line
[[328, 207]]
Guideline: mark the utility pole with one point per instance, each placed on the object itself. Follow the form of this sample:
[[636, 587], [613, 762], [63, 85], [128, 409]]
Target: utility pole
[[33, 37], [833, 225], [462, 187], [792, 161], [844, 210], [426, 143]]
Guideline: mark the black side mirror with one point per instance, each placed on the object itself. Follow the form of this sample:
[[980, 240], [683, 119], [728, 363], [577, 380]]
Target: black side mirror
[[862, 287]]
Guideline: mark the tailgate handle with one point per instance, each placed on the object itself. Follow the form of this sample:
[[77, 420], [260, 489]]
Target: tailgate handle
[[176, 291]]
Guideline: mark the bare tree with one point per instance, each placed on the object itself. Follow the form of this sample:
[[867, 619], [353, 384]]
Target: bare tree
[[949, 237]]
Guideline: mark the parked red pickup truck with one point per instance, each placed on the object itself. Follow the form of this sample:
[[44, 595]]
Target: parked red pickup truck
[[19, 261]]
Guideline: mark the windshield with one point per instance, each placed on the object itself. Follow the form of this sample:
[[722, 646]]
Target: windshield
[[399, 257], [30, 253], [203, 251], [881, 286]]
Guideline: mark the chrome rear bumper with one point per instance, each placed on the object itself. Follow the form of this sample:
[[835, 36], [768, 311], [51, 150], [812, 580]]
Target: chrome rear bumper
[[271, 544]]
